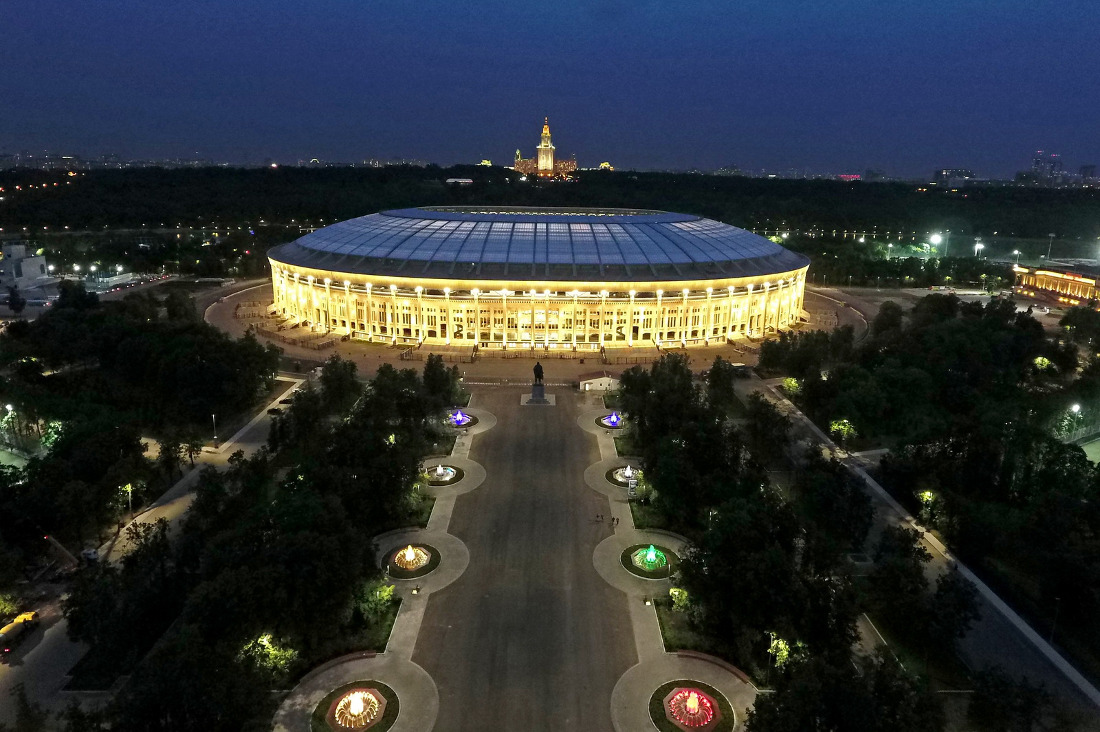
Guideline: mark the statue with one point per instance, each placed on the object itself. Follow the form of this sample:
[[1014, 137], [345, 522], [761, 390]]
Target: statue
[[538, 372]]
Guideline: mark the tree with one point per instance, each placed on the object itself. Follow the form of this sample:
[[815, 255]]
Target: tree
[[720, 391], [954, 607], [766, 429], [16, 301], [178, 305], [873, 694], [836, 501], [169, 455], [440, 383], [193, 447], [897, 583], [339, 385], [889, 318], [1001, 703]]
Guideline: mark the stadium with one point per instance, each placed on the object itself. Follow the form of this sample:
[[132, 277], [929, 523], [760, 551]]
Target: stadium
[[538, 279]]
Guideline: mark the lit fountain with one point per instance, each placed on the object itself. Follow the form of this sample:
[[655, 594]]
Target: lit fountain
[[442, 474], [358, 709], [458, 418], [411, 558], [612, 421], [624, 474], [649, 560], [690, 708]]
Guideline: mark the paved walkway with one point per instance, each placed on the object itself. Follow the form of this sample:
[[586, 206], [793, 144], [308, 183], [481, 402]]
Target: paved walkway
[[412, 684], [630, 697]]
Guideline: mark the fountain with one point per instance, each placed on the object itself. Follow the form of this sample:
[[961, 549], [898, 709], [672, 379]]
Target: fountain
[[611, 421], [442, 474], [624, 475], [458, 418], [649, 560], [690, 708], [411, 558], [358, 709]]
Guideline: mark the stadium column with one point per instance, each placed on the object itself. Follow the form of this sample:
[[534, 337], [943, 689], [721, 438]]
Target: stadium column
[[419, 333], [660, 318], [534, 341], [477, 315], [748, 313], [328, 304], [391, 314], [684, 318], [574, 319], [603, 314], [729, 316], [546, 321], [370, 314], [450, 319], [630, 322], [504, 315], [764, 319], [710, 316], [349, 307], [296, 298]]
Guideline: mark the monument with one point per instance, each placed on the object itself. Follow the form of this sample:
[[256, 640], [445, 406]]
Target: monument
[[538, 389]]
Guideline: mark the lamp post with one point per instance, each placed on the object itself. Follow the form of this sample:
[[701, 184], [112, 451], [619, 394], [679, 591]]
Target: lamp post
[[978, 247], [214, 418], [1017, 253], [1076, 409], [11, 420], [1050, 245]]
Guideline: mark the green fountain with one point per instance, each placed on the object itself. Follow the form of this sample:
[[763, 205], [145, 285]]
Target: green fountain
[[649, 560]]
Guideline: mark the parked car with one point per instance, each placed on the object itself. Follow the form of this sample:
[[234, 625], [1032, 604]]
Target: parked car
[[274, 411], [15, 631]]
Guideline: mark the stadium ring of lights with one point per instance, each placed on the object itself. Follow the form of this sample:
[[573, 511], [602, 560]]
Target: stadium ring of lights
[[538, 278]]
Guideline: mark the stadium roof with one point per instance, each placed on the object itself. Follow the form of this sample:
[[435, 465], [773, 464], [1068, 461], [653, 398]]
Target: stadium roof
[[589, 244]]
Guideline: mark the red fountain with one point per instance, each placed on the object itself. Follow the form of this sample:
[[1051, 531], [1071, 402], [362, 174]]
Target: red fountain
[[691, 709]]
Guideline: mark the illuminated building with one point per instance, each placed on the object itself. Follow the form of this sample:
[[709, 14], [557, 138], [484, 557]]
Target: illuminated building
[[1067, 286], [538, 278], [543, 164]]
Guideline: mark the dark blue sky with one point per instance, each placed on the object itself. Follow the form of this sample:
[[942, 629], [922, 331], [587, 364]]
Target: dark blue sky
[[833, 86]]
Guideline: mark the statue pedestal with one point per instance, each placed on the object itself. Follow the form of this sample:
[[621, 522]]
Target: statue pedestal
[[537, 395]]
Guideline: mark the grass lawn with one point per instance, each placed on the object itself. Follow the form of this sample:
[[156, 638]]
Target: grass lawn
[[624, 445], [647, 517], [442, 446], [657, 706], [612, 401], [463, 398], [676, 630], [318, 723], [423, 511]]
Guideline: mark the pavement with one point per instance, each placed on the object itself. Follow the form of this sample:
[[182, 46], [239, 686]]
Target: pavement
[[43, 661], [530, 605]]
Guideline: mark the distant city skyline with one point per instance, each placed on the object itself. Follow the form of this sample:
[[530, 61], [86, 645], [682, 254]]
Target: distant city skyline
[[840, 87]]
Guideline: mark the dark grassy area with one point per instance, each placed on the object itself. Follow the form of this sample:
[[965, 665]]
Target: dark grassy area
[[677, 631], [423, 511], [624, 445], [663, 573], [396, 572], [442, 446], [358, 636], [647, 517], [941, 666], [463, 399], [657, 706], [612, 401], [318, 723]]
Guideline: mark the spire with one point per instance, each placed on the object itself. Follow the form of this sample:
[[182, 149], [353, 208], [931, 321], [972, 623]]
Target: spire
[[546, 126]]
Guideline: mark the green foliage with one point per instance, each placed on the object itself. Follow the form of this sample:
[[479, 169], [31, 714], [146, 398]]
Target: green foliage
[[876, 693], [340, 386], [791, 386], [680, 602], [1082, 323], [897, 582], [1001, 703], [374, 599]]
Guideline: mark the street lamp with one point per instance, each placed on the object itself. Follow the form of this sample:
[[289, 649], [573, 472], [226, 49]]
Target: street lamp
[[214, 417], [1076, 409], [978, 248], [888, 248], [1050, 245], [1017, 253]]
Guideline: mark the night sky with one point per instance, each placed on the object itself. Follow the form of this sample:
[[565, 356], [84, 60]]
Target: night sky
[[831, 86]]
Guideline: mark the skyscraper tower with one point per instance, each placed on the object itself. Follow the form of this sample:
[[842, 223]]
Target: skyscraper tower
[[546, 151]]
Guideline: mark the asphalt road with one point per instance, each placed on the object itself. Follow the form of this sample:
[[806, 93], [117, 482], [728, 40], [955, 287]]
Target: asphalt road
[[530, 637]]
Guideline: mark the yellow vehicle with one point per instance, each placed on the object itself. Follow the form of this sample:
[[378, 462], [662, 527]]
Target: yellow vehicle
[[15, 631]]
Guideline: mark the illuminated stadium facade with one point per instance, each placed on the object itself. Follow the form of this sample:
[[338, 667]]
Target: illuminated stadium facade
[[527, 278]]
